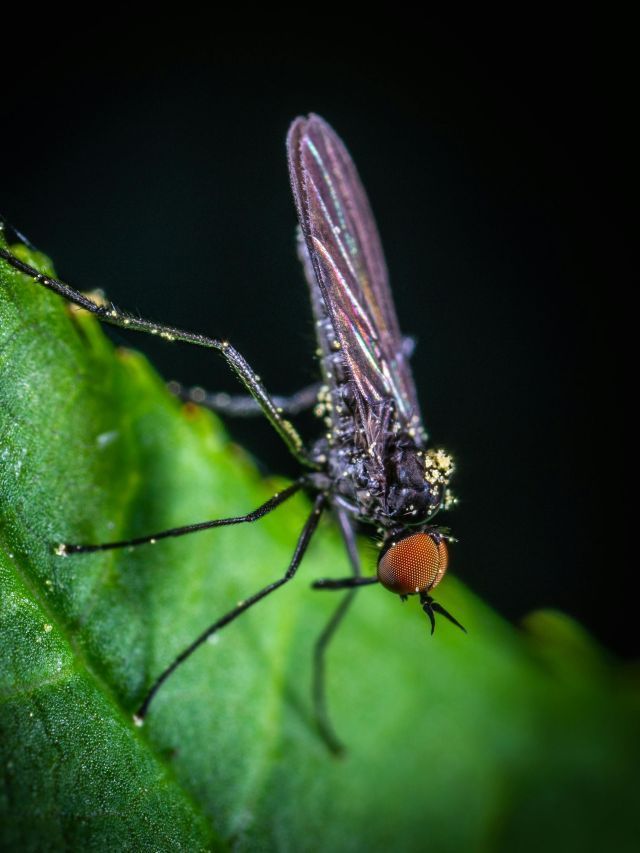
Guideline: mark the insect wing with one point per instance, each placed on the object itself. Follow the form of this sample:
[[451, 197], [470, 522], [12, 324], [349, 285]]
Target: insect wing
[[345, 251]]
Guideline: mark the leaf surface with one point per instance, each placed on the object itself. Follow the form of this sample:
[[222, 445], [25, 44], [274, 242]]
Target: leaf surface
[[503, 739]]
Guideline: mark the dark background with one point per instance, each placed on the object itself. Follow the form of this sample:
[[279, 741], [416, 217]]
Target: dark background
[[156, 171]]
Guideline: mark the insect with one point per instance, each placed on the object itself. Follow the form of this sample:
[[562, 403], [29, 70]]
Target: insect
[[371, 467]]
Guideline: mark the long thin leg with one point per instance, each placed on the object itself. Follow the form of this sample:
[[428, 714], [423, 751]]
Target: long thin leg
[[268, 506], [303, 541], [319, 685], [343, 583], [244, 406], [115, 317]]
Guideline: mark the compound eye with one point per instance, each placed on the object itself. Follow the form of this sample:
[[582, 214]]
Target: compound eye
[[413, 564]]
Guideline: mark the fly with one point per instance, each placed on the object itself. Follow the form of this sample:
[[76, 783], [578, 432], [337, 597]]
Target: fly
[[372, 467]]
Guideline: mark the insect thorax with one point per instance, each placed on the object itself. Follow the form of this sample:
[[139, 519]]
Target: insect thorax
[[408, 488], [392, 481], [417, 482]]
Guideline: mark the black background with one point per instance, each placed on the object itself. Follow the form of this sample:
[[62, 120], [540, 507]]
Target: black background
[[155, 169]]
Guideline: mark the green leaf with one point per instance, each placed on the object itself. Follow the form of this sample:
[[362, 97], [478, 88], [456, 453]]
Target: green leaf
[[498, 740]]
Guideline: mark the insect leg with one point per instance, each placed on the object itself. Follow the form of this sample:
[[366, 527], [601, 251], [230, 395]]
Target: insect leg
[[303, 541], [343, 583], [244, 406], [116, 317], [319, 684], [65, 549]]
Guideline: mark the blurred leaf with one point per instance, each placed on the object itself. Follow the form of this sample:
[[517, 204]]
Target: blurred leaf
[[498, 740]]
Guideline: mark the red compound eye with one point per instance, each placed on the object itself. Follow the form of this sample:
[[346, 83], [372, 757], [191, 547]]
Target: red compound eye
[[413, 564]]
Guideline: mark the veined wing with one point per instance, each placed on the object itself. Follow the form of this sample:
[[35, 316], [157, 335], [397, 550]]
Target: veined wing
[[346, 254]]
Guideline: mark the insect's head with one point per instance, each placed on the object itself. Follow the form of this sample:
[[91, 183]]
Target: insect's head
[[415, 563]]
